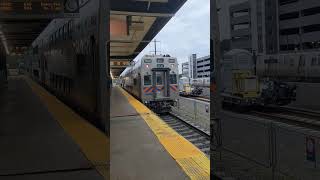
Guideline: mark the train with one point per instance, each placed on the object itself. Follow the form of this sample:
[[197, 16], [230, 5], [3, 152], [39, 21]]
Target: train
[[294, 67], [243, 85], [64, 60], [153, 80], [193, 87]]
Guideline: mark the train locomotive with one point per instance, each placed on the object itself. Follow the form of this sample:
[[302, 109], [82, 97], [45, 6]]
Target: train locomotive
[[153, 80], [242, 86]]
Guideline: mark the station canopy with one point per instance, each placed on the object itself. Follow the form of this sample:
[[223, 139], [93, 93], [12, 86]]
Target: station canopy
[[133, 24]]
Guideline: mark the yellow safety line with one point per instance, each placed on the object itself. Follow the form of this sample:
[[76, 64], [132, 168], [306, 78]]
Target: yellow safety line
[[92, 142], [194, 162]]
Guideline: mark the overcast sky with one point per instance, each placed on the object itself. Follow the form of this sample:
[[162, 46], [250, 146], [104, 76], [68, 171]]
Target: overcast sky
[[186, 33]]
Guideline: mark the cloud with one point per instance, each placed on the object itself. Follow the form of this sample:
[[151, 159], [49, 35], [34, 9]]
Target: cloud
[[188, 32]]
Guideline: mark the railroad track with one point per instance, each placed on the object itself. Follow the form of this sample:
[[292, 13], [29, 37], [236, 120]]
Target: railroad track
[[301, 112], [302, 118], [199, 98], [189, 131]]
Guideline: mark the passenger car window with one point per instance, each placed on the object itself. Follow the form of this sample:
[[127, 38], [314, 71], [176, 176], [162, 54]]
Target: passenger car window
[[147, 80], [173, 79]]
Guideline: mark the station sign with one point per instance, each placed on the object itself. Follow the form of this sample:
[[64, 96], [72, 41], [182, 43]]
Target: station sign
[[119, 63], [34, 9]]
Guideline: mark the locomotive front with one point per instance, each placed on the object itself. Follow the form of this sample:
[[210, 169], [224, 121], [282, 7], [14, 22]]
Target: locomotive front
[[159, 84]]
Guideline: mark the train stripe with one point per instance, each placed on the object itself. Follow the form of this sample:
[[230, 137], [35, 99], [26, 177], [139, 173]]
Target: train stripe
[[153, 89], [173, 87]]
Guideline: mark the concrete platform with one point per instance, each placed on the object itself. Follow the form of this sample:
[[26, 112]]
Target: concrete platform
[[136, 153], [33, 144]]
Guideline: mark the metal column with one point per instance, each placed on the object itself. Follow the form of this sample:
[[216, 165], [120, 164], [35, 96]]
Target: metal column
[[104, 65]]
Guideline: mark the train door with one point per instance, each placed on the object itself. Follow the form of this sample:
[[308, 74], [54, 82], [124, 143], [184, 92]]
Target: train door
[[160, 83]]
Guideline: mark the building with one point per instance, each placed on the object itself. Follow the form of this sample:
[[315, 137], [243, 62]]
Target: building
[[268, 27], [241, 24], [299, 25], [203, 67], [193, 66], [196, 67], [185, 69]]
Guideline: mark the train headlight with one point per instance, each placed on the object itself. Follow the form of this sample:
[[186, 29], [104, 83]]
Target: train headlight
[[147, 65]]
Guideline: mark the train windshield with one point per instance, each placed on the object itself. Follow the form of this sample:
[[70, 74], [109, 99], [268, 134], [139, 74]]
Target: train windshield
[[159, 78], [160, 60], [147, 80], [173, 79]]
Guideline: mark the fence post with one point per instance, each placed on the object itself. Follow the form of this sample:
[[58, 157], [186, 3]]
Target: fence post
[[195, 110], [273, 149]]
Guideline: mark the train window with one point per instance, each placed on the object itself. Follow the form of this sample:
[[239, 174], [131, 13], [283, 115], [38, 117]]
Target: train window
[[147, 80], [159, 79], [160, 60], [313, 61], [302, 61], [148, 60], [65, 30], [172, 60], [173, 79], [60, 33], [291, 62]]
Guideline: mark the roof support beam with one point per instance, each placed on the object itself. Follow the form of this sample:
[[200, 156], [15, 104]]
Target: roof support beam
[[145, 14]]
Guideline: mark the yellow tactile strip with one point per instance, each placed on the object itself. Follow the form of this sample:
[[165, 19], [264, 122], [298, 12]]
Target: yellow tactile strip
[[194, 162], [92, 142]]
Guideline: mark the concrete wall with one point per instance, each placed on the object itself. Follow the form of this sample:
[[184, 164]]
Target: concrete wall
[[247, 137], [194, 111], [272, 145], [307, 96], [291, 153]]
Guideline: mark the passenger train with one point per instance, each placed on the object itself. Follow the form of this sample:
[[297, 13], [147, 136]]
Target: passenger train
[[299, 66], [64, 60], [153, 80]]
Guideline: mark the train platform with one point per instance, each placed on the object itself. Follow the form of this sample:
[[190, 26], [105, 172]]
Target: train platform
[[142, 146], [41, 138]]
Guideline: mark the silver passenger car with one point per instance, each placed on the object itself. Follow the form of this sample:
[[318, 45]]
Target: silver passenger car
[[153, 80]]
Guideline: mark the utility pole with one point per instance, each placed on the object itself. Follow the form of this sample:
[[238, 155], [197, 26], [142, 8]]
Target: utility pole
[[155, 46]]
